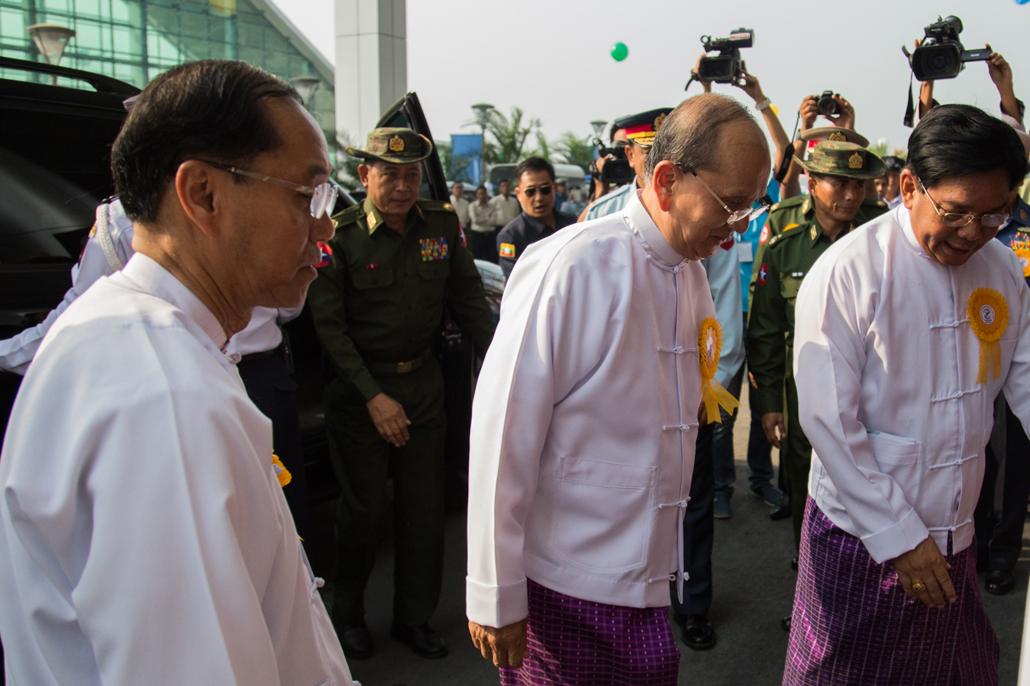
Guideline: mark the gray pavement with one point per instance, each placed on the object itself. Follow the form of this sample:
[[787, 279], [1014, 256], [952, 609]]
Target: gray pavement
[[753, 587]]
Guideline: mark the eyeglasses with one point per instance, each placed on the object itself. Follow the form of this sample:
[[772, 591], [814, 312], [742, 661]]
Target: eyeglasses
[[323, 196], [956, 220], [748, 213], [532, 190]]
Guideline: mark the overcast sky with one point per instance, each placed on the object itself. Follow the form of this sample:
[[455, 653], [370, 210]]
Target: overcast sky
[[552, 57]]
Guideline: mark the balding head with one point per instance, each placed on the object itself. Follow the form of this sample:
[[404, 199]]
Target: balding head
[[689, 136], [709, 161]]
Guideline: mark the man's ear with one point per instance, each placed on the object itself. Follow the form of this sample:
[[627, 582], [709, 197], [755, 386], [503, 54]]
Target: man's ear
[[197, 190], [663, 178], [909, 186], [363, 170]]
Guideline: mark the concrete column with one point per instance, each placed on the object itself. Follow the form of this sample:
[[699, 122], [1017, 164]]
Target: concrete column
[[371, 62]]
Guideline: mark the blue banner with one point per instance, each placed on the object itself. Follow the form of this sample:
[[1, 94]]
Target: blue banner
[[466, 158]]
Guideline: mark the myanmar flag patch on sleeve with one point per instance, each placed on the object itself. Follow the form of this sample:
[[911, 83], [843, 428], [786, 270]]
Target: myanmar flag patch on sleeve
[[507, 251]]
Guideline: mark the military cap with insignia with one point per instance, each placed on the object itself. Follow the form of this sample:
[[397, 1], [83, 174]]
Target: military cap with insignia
[[840, 158], [394, 145], [834, 133], [641, 128]]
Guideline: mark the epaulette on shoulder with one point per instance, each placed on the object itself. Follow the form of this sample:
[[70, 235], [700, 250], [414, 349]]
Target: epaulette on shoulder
[[347, 216], [789, 202], [436, 206]]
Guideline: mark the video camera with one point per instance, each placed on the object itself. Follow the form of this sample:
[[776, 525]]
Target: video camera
[[724, 67], [616, 170], [941, 56]]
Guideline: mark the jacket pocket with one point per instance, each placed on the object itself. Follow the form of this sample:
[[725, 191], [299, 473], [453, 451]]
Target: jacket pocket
[[366, 279], [606, 514], [434, 270], [897, 457]]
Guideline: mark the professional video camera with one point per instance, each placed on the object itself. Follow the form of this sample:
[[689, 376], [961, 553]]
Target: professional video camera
[[617, 169], [826, 104], [941, 56], [724, 67]]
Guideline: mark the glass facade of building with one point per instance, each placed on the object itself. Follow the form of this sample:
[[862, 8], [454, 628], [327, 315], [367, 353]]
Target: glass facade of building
[[135, 40]]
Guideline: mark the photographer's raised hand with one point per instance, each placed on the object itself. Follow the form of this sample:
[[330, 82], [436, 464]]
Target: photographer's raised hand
[[696, 73], [1001, 75]]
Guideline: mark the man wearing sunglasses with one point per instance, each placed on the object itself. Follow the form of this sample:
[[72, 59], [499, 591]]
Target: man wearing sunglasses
[[535, 190], [144, 537], [587, 410], [907, 330], [398, 261], [837, 171]]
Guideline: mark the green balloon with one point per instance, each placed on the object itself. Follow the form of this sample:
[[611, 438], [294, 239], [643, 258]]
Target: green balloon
[[620, 51]]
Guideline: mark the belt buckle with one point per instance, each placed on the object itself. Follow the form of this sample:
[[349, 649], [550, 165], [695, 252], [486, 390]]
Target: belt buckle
[[405, 367]]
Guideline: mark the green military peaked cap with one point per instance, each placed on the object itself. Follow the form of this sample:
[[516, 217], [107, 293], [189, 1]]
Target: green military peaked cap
[[840, 158], [394, 145]]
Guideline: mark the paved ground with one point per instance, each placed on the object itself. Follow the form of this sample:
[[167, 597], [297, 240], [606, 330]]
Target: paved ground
[[753, 590]]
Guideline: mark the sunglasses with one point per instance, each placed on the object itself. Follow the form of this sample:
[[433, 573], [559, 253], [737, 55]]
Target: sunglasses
[[533, 190]]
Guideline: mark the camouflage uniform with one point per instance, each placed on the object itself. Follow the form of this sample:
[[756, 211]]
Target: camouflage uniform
[[783, 263]]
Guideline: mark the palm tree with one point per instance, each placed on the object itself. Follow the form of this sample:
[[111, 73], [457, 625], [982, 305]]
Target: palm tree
[[575, 150], [509, 134]]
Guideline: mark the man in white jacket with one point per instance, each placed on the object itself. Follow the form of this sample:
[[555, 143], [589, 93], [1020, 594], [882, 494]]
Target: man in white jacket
[[144, 537], [907, 330], [586, 413]]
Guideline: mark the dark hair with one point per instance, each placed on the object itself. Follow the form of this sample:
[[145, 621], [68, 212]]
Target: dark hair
[[958, 140], [533, 164], [689, 135], [209, 109], [480, 187]]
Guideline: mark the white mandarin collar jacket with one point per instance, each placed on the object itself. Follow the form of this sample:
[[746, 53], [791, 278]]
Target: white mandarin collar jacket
[[584, 421], [886, 365], [144, 538]]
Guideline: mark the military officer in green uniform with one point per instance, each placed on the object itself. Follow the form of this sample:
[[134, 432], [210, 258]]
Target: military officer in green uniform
[[799, 209], [378, 308], [837, 172]]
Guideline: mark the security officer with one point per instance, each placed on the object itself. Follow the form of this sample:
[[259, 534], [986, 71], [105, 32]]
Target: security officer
[[1000, 539], [837, 173], [800, 209], [535, 190], [397, 262], [639, 131]]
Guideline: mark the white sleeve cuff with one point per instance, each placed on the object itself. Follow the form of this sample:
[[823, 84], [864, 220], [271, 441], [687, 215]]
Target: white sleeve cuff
[[496, 606], [896, 539]]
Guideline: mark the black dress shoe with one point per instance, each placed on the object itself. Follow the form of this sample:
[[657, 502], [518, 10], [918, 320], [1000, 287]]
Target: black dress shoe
[[423, 640], [781, 512], [785, 623], [698, 633], [356, 641], [999, 582]]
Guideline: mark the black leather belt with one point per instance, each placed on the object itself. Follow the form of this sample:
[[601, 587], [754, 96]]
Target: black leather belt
[[398, 368]]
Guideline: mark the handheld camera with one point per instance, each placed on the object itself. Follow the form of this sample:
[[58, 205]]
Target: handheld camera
[[941, 55], [724, 67]]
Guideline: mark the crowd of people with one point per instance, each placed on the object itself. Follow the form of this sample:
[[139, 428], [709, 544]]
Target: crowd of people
[[881, 319]]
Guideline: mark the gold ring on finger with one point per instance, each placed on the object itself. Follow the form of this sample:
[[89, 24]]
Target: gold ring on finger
[[918, 586]]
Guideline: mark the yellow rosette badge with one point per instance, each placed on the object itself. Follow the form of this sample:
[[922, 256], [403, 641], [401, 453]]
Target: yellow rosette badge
[[281, 472], [988, 315], [714, 396]]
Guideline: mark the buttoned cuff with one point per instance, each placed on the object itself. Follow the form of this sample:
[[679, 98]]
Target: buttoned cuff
[[366, 385], [496, 606], [896, 539]]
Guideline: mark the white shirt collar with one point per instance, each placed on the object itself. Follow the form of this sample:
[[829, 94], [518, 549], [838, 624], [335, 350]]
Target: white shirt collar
[[152, 278], [644, 228], [902, 216]]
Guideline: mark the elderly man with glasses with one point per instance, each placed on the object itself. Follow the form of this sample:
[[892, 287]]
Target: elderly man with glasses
[[397, 262], [587, 411], [144, 537], [907, 330], [535, 190]]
